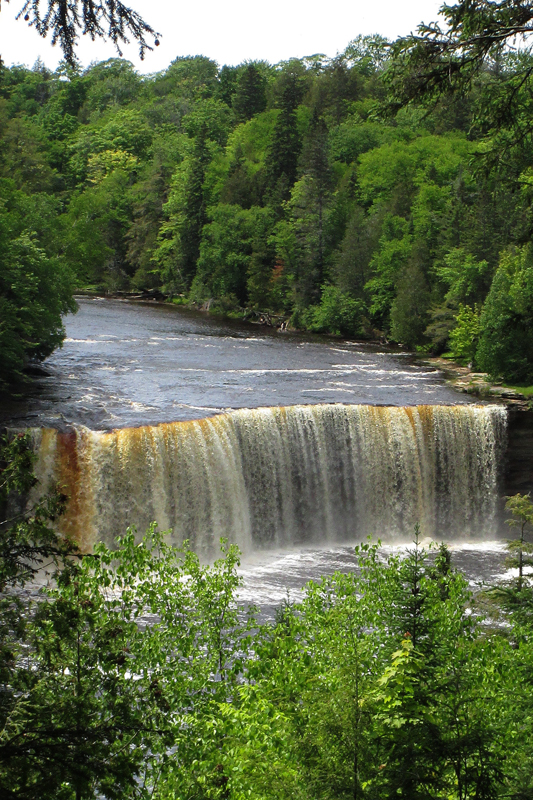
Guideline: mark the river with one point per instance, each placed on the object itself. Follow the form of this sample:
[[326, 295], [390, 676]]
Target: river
[[129, 364], [293, 487]]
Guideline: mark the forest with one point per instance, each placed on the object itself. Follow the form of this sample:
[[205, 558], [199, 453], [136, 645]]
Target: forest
[[305, 194]]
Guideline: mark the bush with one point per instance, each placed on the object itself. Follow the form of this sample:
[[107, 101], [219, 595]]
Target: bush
[[464, 338], [336, 313]]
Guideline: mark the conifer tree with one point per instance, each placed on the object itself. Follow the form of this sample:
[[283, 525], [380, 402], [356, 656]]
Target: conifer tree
[[250, 96], [285, 146]]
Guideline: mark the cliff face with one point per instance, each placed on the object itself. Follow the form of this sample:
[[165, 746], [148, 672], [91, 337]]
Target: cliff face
[[519, 459]]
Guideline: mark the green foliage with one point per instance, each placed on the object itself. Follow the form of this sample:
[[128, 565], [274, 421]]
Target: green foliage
[[249, 98], [180, 236], [464, 276], [104, 688], [337, 313], [139, 674], [464, 337], [520, 550], [35, 291], [285, 145], [27, 541], [389, 258], [454, 321], [506, 343], [384, 679], [468, 48], [96, 226], [226, 250], [409, 309], [113, 678], [124, 132]]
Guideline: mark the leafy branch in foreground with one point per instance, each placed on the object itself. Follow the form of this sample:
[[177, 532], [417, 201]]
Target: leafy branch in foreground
[[131, 654], [473, 47], [66, 19], [445, 57], [28, 541]]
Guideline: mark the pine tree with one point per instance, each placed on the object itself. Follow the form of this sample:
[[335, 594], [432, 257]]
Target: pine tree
[[286, 144], [250, 96]]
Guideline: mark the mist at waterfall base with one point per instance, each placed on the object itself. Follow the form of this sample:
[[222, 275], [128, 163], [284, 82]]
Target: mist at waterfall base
[[384, 445]]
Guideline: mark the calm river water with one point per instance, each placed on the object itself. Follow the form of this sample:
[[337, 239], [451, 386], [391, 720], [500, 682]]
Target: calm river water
[[128, 364]]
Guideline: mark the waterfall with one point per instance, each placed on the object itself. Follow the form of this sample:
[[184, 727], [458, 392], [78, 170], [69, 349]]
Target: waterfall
[[270, 477]]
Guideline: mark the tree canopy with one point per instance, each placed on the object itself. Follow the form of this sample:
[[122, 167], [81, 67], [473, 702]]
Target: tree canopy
[[478, 42]]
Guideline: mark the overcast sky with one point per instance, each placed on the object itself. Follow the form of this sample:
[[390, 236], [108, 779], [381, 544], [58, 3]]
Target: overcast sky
[[231, 31]]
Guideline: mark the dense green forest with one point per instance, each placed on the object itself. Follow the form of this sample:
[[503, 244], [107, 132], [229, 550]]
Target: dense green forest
[[293, 193]]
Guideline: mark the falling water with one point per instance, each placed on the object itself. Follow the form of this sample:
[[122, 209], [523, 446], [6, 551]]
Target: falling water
[[271, 477]]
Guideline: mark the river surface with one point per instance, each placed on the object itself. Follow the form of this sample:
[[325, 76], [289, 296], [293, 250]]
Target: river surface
[[270, 579], [128, 364]]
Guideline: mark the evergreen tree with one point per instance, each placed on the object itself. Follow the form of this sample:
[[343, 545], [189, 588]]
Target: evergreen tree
[[284, 149], [314, 161], [250, 95], [227, 83], [195, 213]]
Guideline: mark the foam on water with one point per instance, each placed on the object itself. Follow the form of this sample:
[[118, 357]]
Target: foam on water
[[271, 578]]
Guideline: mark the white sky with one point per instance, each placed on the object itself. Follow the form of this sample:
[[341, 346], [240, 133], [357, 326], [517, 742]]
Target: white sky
[[231, 31]]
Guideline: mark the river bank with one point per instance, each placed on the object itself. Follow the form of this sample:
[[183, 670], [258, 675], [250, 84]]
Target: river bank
[[479, 384]]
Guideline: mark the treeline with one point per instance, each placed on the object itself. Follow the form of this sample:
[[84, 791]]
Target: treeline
[[285, 192], [138, 673]]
